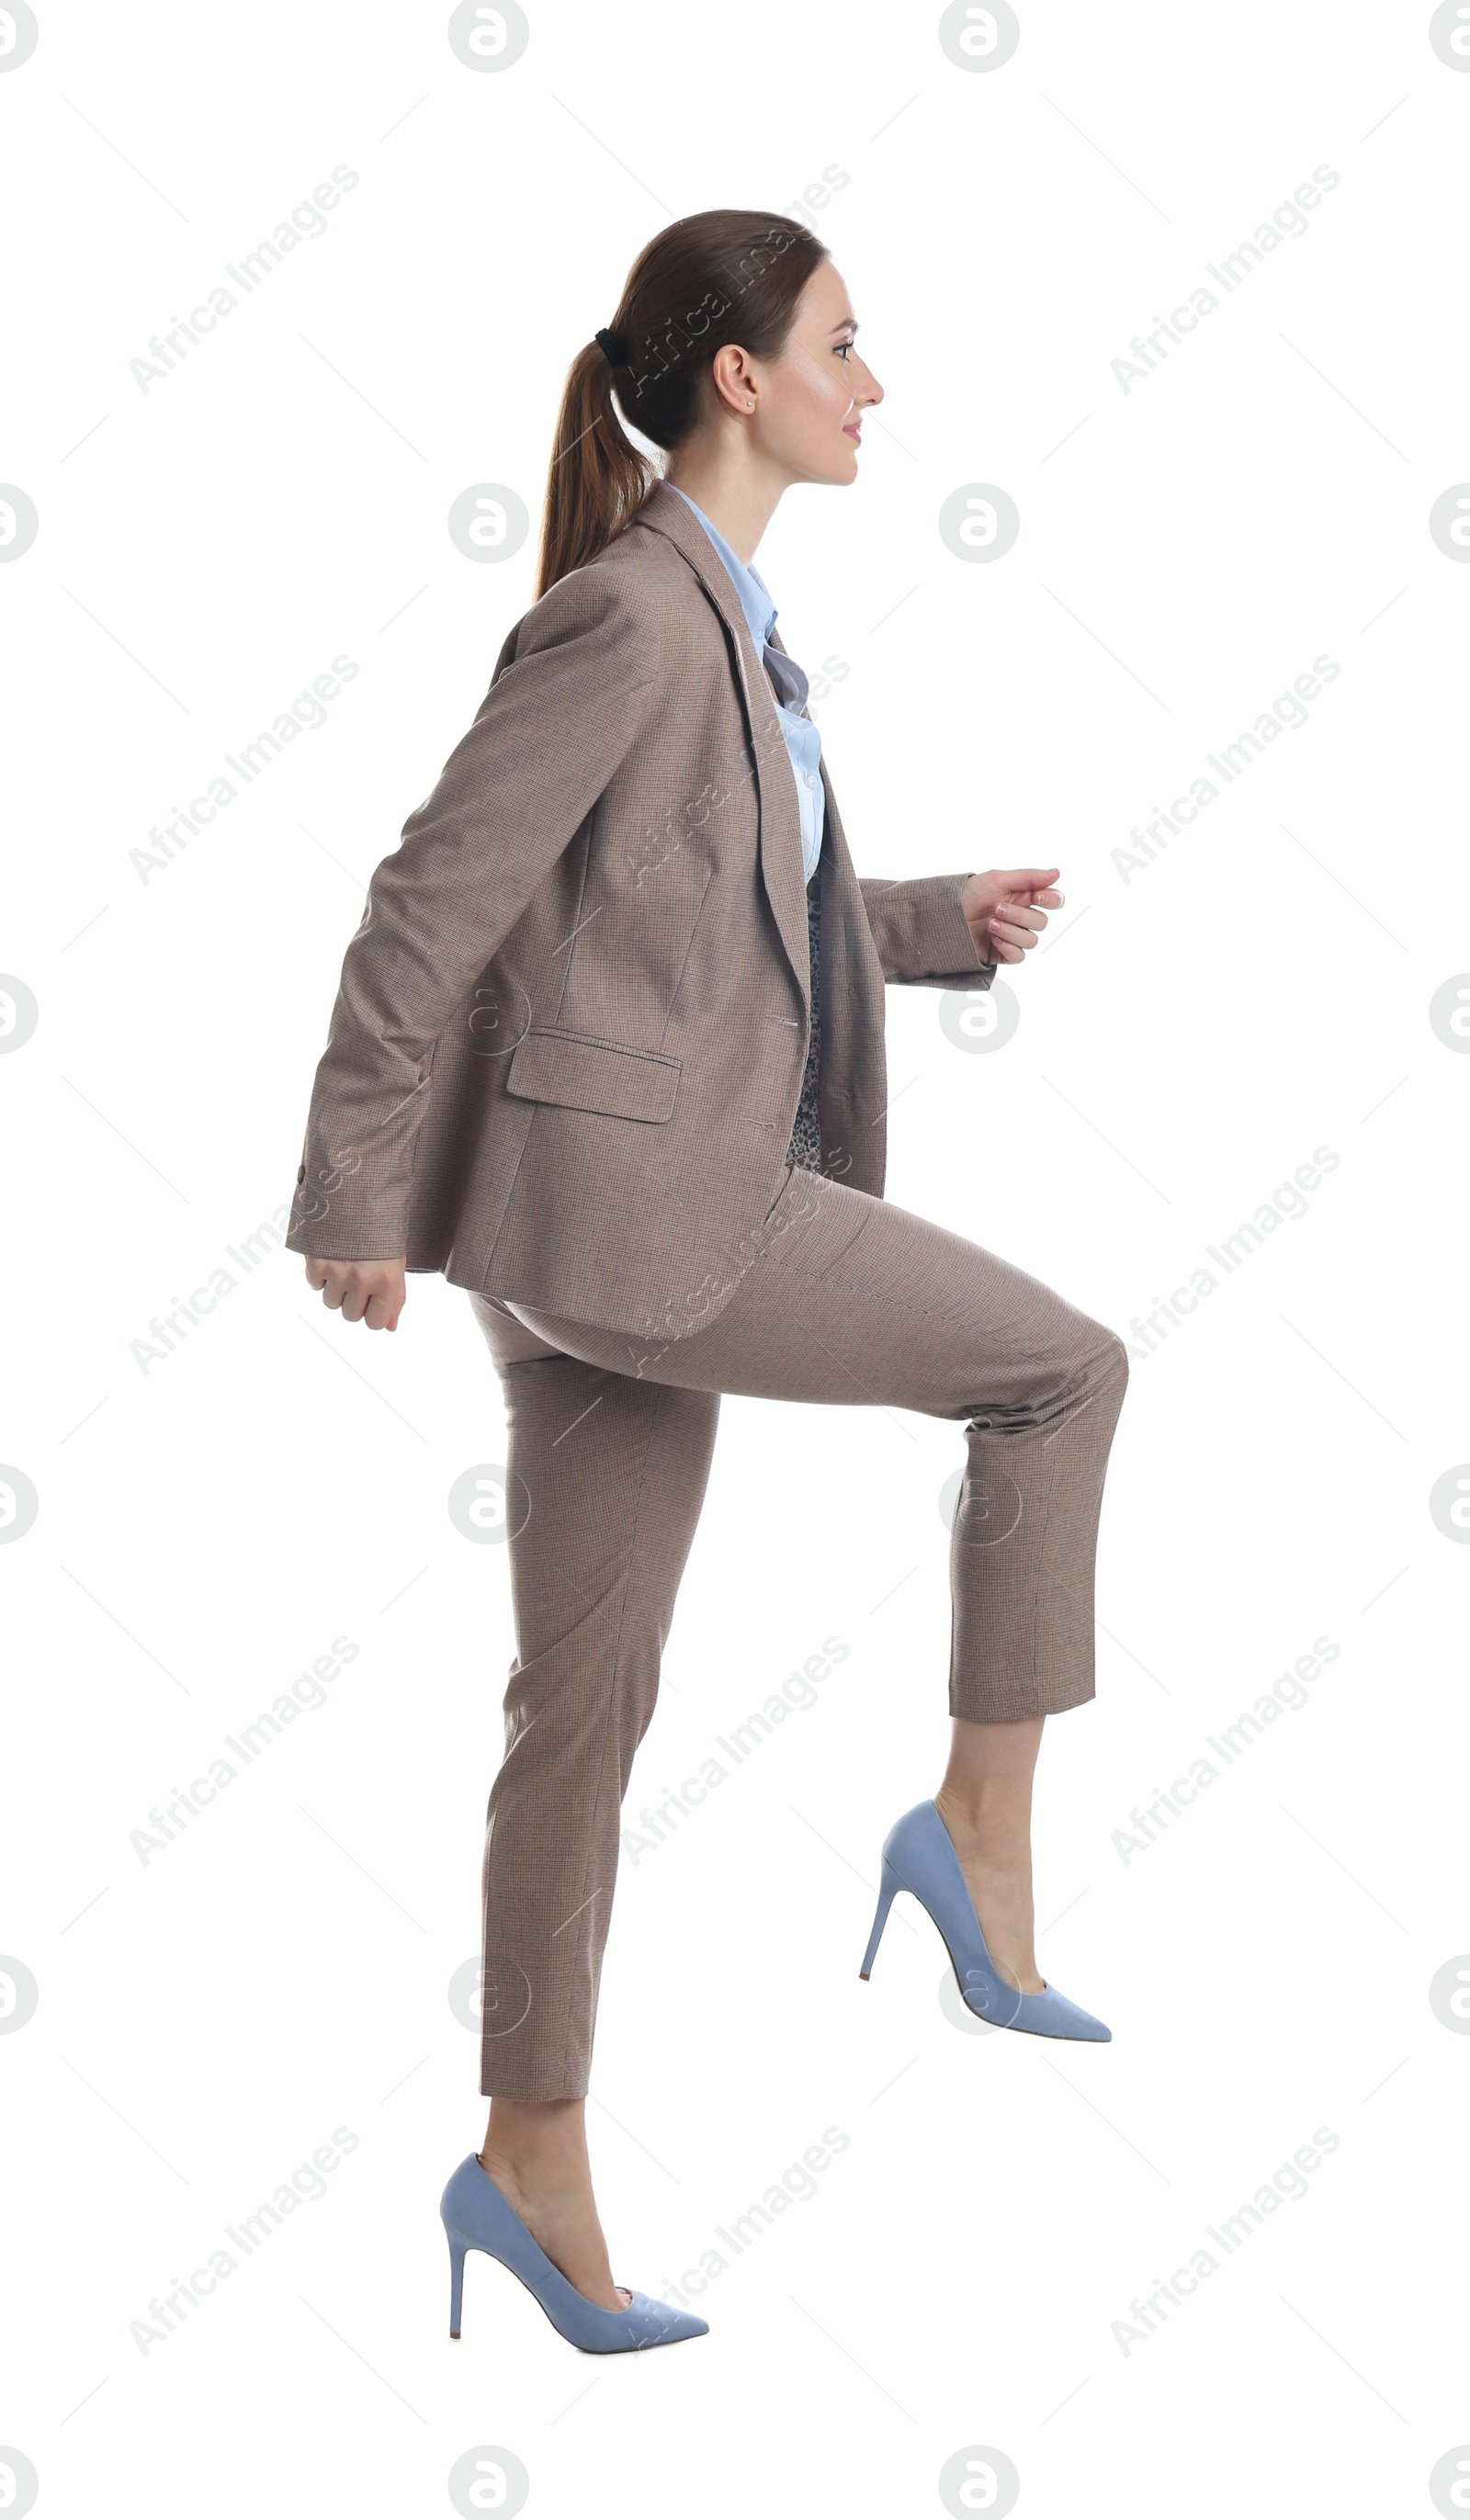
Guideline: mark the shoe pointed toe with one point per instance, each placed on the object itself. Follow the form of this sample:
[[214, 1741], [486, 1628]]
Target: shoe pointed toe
[[1053, 2015], [1089, 2027]]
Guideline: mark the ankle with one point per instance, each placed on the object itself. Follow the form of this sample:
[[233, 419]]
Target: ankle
[[526, 2172], [990, 1839], [539, 2145]]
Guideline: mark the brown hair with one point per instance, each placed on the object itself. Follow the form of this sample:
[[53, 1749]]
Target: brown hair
[[721, 275]]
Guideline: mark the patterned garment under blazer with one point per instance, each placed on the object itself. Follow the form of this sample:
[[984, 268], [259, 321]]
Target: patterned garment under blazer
[[569, 1042]]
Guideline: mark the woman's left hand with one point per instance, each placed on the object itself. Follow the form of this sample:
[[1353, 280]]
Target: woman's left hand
[[1006, 910]]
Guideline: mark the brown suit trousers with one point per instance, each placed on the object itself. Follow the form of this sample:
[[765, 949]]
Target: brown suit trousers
[[844, 1298]]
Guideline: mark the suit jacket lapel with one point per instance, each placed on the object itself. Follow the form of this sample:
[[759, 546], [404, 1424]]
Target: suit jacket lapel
[[778, 813]]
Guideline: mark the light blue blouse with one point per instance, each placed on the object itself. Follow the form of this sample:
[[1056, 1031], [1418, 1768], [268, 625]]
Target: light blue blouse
[[790, 686]]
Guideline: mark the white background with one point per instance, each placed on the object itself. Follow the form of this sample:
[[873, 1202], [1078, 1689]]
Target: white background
[[1190, 1034]]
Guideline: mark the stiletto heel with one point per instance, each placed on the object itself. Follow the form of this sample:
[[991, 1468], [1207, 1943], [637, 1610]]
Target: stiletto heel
[[476, 2215], [888, 1888], [456, 2248], [919, 1855]]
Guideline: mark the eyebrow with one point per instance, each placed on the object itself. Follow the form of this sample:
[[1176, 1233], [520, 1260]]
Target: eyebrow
[[849, 325]]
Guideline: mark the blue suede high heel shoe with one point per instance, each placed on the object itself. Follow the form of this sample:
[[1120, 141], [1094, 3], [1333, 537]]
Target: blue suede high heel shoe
[[476, 2215], [918, 1856]]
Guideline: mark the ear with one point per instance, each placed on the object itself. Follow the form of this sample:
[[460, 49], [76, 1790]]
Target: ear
[[732, 378]]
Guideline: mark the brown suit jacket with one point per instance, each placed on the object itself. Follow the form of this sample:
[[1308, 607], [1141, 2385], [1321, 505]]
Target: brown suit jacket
[[570, 1038]]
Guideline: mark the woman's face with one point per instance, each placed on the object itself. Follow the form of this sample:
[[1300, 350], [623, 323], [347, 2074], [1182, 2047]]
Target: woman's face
[[811, 400]]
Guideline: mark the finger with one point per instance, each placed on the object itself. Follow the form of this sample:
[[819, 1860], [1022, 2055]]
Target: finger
[[1021, 913], [1050, 897], [1020, 940], [1027, 878], [354, 1301]]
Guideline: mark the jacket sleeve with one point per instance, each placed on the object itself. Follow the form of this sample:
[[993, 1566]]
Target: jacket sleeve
[[570, 693], [922, 935]]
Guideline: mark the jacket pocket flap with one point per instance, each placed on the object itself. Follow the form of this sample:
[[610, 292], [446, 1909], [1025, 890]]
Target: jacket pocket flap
[[589, 1074]]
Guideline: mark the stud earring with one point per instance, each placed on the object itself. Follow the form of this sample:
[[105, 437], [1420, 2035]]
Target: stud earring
[[749, 406]]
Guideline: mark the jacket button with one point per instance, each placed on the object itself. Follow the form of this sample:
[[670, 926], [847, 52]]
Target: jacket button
[[300, 1173]]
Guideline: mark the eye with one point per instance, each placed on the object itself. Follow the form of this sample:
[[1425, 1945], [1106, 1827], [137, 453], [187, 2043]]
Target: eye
[[843, 348]]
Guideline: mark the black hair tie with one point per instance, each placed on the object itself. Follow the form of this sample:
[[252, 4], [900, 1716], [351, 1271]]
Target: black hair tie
[[613, 350]]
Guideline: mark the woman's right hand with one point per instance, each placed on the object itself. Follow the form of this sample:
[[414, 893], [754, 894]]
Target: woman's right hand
[[361, 1290]]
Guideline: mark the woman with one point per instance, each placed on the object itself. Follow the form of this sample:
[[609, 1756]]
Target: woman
[[608, 1053]]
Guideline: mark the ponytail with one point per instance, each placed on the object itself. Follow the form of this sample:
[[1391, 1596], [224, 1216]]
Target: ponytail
[[721, 275], [597, 480]]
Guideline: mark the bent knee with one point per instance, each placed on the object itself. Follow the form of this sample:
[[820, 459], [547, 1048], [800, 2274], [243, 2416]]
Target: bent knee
[[1110, 1357], [1082, 1370], [1103, 1366]]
